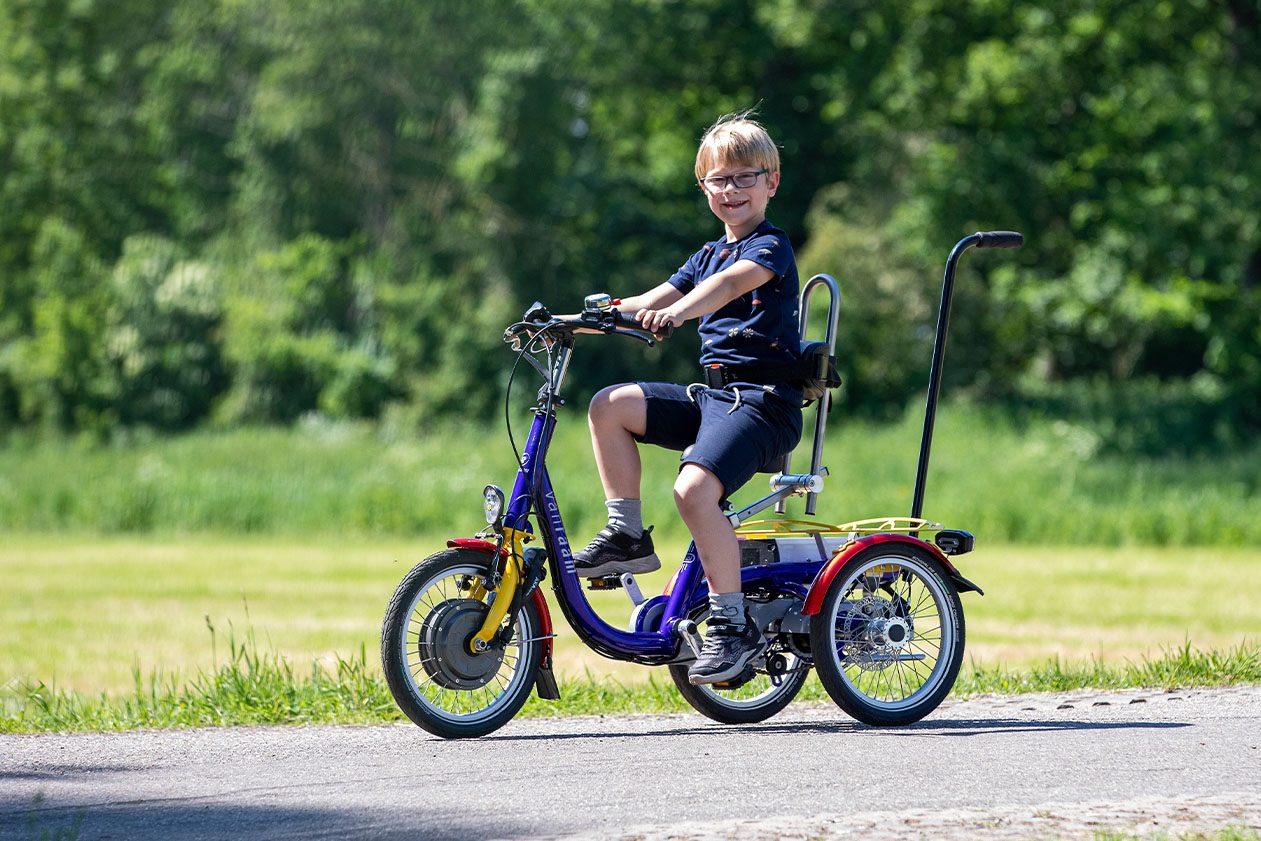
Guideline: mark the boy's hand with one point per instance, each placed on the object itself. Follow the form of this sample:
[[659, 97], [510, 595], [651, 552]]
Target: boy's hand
[[654, 321]]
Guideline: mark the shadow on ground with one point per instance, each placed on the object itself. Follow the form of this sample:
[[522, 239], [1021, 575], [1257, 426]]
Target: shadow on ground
[[961, 727], [193, 819]]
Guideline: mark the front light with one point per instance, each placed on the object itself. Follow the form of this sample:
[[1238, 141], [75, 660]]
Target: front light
[[494, 503]]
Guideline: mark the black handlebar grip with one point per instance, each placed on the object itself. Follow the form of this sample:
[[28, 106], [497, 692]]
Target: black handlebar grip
[[624, 320], [999, 239]]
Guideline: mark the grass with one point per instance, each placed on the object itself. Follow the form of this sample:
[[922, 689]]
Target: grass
[[1038, 481], [263, 688], [121, 632], [85, 613]]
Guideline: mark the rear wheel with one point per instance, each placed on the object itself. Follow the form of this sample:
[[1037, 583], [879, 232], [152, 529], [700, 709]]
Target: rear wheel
[[436, 681], [888, 640], [753, 696]]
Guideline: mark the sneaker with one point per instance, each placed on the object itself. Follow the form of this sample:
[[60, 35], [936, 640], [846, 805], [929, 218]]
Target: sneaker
[[615, 552], [727, 650]]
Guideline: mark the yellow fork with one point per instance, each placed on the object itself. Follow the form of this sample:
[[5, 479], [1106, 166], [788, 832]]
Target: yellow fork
[[504, 593]]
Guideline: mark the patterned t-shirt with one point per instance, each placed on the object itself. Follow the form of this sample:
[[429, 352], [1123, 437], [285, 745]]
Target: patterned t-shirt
[[759, 327]]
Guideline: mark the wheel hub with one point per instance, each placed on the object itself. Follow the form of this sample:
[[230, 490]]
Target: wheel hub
[[889, 635], [443, 646]]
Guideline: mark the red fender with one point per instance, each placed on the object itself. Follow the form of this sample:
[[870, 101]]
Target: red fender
[[814, 598], [545, 616]]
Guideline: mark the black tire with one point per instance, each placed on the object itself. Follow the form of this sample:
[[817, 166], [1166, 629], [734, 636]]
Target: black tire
[[865, 638], [755, 701], [417, 656]]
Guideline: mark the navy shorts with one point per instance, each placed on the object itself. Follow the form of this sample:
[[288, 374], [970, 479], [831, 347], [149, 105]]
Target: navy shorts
[[732, 444]]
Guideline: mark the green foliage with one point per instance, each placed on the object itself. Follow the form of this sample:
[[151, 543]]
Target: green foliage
[[368, 191], [161, 338]]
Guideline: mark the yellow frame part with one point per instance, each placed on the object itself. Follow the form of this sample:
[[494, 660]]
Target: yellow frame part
[[762, 529], [516, 539]]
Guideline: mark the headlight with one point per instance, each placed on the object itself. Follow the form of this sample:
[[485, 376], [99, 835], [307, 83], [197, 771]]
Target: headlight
[[494, 503]]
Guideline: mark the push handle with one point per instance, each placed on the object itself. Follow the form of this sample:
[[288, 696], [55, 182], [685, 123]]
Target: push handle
[[981, 239], [999, 239]]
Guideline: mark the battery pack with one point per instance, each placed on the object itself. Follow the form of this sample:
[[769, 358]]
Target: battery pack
[[756, 553]]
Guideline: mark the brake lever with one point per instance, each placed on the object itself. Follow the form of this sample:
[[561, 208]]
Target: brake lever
[[646, 338]]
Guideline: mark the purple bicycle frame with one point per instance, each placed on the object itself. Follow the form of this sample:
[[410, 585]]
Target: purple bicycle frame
[[533, 488]]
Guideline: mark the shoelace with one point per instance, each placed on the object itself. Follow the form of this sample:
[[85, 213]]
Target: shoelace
[[711, 642]]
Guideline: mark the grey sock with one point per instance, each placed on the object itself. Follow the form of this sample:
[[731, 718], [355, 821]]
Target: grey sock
[[626, 515], [730, 606]]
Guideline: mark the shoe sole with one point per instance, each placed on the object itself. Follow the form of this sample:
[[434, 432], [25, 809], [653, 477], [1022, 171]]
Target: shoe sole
[[726, 674], [648, 563]]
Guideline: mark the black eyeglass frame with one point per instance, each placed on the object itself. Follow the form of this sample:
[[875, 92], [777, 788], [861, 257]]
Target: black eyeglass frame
[[724, 180]]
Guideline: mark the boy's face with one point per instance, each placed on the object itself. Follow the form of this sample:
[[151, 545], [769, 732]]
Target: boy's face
[[741, 208]]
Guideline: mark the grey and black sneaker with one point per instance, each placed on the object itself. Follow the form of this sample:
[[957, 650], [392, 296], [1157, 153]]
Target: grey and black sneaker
[[615, 552], [727, 651]]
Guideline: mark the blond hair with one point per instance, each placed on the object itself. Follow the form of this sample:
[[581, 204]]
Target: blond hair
[[736, 140]]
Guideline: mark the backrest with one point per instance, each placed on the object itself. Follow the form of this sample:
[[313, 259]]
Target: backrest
[[820, 370]]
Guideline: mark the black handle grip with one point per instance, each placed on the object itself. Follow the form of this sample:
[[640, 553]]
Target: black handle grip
[[623, 320], [999, 239]]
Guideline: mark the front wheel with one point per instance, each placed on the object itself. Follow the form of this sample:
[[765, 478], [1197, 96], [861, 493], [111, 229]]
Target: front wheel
[[436, 681], [888, 640]]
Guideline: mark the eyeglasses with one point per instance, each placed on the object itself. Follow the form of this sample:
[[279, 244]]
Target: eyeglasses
[[715, 184]]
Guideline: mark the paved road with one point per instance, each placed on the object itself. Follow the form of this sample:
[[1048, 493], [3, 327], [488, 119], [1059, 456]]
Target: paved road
[[1025, 766]]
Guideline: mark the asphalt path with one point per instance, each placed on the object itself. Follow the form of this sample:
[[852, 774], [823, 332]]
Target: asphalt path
[[1016, 766]]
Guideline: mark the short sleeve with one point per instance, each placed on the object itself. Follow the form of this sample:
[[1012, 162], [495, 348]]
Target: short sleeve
[[770, 250], [684, 279]]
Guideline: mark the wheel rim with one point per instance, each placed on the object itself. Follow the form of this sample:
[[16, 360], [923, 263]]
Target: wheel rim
[[756, 692], [449, 682], [893, 631]]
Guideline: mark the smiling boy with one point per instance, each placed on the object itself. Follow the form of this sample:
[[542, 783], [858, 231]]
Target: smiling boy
[[743, 288]]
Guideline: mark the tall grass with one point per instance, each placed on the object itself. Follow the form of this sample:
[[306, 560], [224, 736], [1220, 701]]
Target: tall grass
[[253, 687], [1039, 481]]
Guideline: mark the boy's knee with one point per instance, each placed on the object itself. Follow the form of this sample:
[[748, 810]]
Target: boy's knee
[[618, 404], [601, 403], [696, 490]]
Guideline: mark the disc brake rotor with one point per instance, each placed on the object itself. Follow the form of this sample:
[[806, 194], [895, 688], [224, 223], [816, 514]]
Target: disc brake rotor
[[873, 634], [443, 646]]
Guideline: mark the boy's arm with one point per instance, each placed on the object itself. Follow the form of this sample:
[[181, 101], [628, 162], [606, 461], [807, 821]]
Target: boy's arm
[[711, 295], [655, 298]]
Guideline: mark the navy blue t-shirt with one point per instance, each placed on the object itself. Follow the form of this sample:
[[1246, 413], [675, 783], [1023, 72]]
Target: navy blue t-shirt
[[759, 327]]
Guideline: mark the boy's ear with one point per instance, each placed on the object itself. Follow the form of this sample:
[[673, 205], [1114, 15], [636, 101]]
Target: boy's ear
[[772, 183]]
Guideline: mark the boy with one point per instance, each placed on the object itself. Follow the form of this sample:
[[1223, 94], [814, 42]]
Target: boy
[[743, 288]]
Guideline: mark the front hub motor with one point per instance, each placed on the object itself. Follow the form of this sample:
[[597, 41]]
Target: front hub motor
[[443, 646]]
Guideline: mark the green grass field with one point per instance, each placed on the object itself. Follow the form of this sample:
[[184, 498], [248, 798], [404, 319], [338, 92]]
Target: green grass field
[[1045, 482], [84, 613]]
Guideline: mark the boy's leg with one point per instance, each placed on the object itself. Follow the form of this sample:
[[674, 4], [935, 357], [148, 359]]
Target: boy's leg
[[617, 415], [697, 493], [731, 641]]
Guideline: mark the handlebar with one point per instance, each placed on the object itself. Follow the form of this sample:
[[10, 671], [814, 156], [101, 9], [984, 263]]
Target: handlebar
[[998, 239], [537, 320]]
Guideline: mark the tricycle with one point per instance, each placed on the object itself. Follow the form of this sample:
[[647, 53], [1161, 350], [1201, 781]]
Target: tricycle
[[872, 605]]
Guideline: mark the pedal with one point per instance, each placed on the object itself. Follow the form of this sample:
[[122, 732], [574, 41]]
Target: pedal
[[605, 582], [739, 680]]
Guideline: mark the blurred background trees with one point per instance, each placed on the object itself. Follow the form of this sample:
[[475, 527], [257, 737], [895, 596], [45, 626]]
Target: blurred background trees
[[217, 212]]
